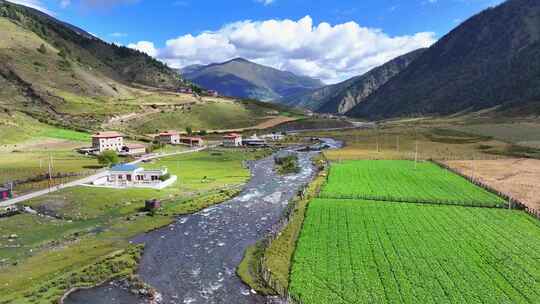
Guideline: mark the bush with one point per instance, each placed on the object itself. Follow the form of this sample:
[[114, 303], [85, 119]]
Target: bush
[[42, 49], [164, 177], [108, 158]]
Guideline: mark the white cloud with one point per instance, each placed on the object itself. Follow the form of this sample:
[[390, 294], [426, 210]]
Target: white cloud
[[145, 47], [330, 52], [265, 2], [65, 3]]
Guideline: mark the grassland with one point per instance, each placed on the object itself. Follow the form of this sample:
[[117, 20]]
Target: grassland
[[380, 252], [94, 224], [523, 134], [404, 181], [401, 141]]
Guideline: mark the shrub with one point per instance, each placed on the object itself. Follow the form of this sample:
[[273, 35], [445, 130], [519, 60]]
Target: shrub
[[42, 49], [108, 158]]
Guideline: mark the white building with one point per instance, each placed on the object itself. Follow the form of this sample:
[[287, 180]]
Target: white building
[[232, 140], [103, 141], [133, 176], [169, 137]]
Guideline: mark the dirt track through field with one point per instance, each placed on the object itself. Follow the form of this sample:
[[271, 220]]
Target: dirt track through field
[[519, 178]]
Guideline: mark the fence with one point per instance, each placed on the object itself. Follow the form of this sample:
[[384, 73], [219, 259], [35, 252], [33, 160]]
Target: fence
[[513, 203], [276, 230]]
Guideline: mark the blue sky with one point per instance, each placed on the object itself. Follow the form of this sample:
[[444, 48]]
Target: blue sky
[[360, 33]]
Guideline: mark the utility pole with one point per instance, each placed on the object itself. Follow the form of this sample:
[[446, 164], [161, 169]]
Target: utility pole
[[50, 172]]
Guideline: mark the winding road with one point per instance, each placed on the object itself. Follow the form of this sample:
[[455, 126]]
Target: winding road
[[88, 179]]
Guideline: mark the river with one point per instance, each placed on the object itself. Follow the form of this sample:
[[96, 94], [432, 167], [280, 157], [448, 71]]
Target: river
[[194, 260]]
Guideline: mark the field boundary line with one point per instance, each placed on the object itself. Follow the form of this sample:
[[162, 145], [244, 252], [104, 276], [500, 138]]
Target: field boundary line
[[512, 201]]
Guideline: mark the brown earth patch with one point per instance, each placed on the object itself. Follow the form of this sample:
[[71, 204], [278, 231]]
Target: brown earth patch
[[518, 178]]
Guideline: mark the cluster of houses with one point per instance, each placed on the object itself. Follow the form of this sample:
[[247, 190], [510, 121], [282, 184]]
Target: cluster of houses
[[188, 90], [133, 176], [172, 137], [237, 140]]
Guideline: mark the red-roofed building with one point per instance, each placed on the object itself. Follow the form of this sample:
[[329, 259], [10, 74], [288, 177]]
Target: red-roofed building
[[134, 149], [192, 141], [170, 137], [232, 140], [109, 140]]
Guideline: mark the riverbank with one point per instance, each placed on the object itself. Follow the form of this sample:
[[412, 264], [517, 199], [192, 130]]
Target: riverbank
[[194, 260], [91, 224]]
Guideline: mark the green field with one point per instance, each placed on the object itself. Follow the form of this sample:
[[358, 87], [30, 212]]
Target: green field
[[380, 252], [403, 181], [96, 223]]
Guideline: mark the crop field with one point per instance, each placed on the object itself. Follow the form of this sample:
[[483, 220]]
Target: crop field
[[381, 252], [403, 181]]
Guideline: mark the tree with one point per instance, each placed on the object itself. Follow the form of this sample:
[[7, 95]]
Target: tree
[[203, 132], [189, 130], [42, 49], [108, 158]]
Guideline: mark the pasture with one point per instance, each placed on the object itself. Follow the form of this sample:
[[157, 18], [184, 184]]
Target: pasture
[[404, 181], [94, 223], [383, 252]]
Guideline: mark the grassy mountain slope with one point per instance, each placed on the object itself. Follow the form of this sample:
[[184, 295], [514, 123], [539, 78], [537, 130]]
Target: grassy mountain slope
[[341, 97], [52, 73], [490, 60], [245, 79]]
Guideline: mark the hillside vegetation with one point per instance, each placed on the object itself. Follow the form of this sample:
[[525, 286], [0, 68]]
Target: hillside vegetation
[[53, 73], [342, 97], [492, 59]]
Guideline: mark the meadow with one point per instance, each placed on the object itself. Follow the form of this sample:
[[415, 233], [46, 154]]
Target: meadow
[[382, 252], [51, 255], [404, 181]]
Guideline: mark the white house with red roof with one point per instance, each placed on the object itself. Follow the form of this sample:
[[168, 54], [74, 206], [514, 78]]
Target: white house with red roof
[[232, 140], [108, 140], [170, 137]]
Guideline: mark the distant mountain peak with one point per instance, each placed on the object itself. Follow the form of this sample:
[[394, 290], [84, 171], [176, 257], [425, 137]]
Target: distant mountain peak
[[242, 78]]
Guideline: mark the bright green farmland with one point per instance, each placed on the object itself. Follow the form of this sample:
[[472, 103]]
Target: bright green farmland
[[398, 180], [383, 252]]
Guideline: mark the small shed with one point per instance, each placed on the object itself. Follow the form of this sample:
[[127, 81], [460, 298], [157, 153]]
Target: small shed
[[152, 204]]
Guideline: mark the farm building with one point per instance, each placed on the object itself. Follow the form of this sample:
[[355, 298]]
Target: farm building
[[170, 137], [133, 176], [133, 149], [103, 141], [192, 141], [254, 141], [5, 193], [232, 140]]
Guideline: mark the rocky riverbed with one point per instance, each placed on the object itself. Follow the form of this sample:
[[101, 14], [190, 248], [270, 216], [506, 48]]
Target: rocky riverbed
[[194, 260]]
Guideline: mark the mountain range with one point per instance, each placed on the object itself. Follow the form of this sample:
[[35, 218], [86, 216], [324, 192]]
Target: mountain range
[[342, 97], [491, 61], [244, 79]]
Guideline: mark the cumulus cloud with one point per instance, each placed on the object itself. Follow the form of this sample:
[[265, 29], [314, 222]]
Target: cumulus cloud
[[145, 47], [330, 52]]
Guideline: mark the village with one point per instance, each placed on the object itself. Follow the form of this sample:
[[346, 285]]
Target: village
[[127, 171]]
